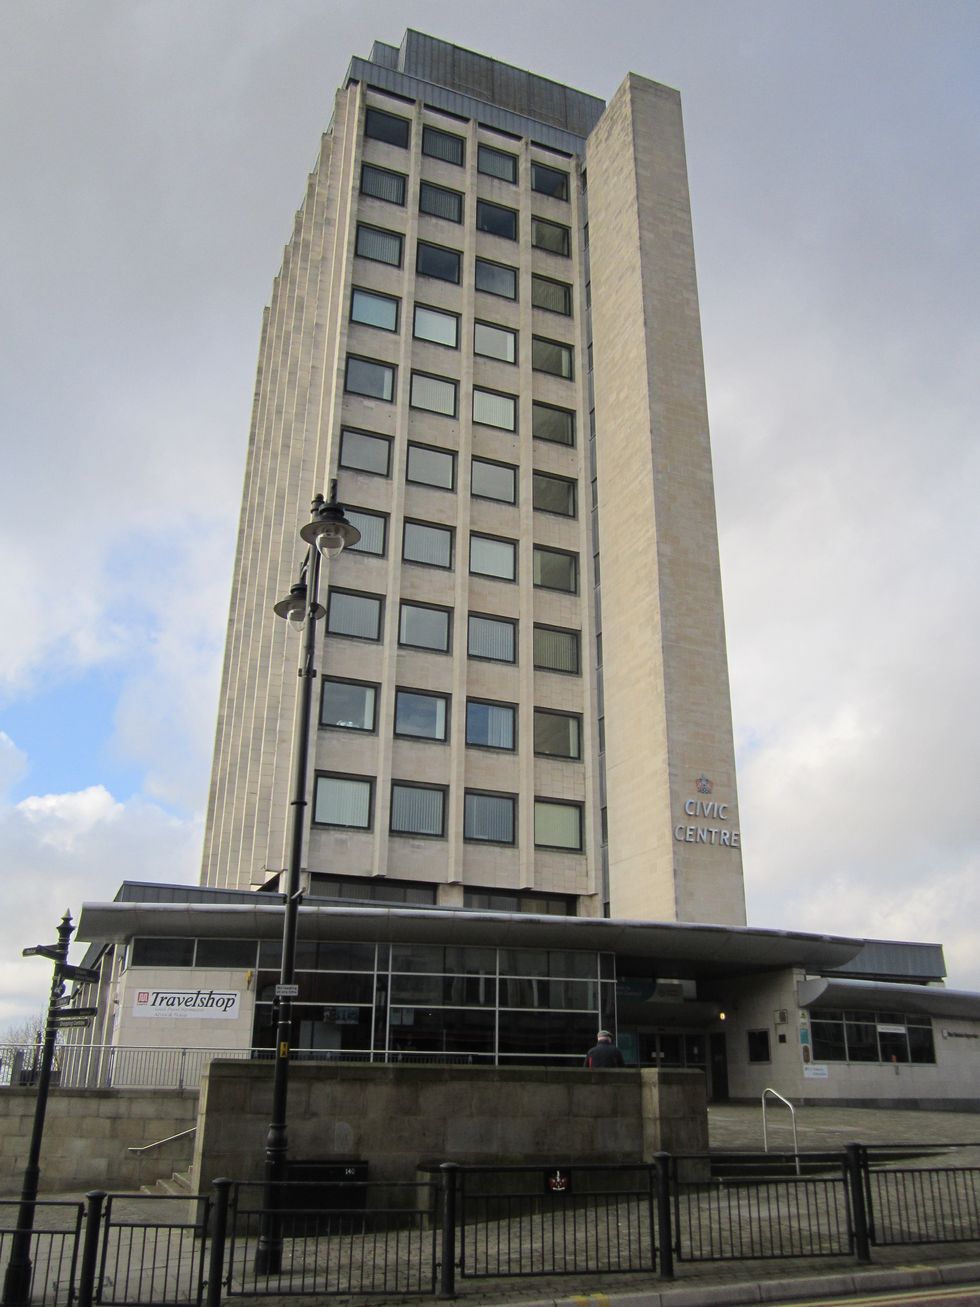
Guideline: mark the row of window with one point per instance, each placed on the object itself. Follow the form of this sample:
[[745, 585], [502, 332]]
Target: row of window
[[393, 129], [860, 1036], [371, 308], [373, 379], [429, 626], [380, 889], [428, 465], [488, 818], [490, 556], [424, 715], [381, 245]]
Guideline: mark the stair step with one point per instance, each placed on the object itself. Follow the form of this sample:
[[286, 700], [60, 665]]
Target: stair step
[[178, 1185]]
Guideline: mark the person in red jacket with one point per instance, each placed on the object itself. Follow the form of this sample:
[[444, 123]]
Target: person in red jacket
[[604, 1053]]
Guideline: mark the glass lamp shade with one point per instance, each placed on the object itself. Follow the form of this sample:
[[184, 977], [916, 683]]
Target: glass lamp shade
[[294, 608]]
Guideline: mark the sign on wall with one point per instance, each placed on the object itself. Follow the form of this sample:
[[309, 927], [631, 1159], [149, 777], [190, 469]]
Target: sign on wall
[[187, 1003], [706, 820]]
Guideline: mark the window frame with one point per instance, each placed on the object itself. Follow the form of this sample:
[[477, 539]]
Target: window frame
[[370, 435], [564, 253], [560, 630], [389, 172], [570, 482], [386, 231], [565, 349], [571, 804], [445, 190], [486, 209], [493, 462], [512, 332], [485, 290], [377, 295], [433, 376], [538, 279], [500, 621], [323, 775], [445, 313], [539, 406], [564, 188], [477, 699], [443, 790], [372, 110], [441, 527], [356, 594], [404, 604], [490, 794], [374, 686], [537, 550], [430, 449], [422, 245], [564, 716], [499, 394], [429, 130], [482, 147], [390, 368], [445, 699], [495, 539]]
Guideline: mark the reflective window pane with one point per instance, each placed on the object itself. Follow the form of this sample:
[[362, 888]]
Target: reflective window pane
[[354, 614], [553, 494], [387, 127], [551, 356], [549, 181], [554, 424], [549, 236], [489, 817], [416, 810], [420, 715], [424, 628], [554, 570], [492, 557], [490, 725], [439, 327], [496, 163], [496, 220], [556, 650], [348, 704], [342, 801], [443, 145], [557, 825], [495, 342], [428, 544], [370, 378], [437, 261], [556, 734], [555, 296], [492, 638], [496, 279], [382, 184], [493, 481], [431, 467], [374, 310], [365, 453]]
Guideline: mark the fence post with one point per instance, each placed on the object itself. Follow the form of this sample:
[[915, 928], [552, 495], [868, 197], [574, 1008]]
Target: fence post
[[90, 1247], [664, 1232], [447, 1279], [219, 1231], [858, 1209]]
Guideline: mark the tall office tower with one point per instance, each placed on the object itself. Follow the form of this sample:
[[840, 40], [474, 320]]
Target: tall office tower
[[486, 329]]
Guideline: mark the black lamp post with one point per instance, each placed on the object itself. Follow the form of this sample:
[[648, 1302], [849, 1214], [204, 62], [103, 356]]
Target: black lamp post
[[327, 533]]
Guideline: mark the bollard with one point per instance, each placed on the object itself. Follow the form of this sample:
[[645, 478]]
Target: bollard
[[90, 1247], [219, 1230], [859, 1211], [447, 1278], [665, 1235]]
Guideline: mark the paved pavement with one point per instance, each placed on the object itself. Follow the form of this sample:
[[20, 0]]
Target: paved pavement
[[927, 1266]]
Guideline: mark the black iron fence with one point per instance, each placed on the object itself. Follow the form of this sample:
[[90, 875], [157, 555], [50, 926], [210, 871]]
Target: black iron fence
[[353, 1236]]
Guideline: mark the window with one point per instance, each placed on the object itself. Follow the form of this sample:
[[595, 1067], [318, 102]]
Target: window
[[495, 342], [382, 184], [436, 325], [494, 900], [549, 181], [555, 296], [437, 261], [493, 481], [349, 704], [493, 638], [380, 245], [496, 279], [420, 715], [553, 494], [423, 627], [443, 145], [374, 310], [551, 356], [759, 1045], [342, 801], [440, 202], [433, 394], [357, 615], [494, 409], [380, 890], [496, 163], [490, 725], [556, 650], [488, 818], [431, 467], [225, 953], [387, 127], [557, 825], [492, 557], [550, 236], [159, 951], [432, 545], [365, 453], [861, 1036], [373, 529], [554, 424], [555, 570], [557, 734], [369, 377], [417, 809], [496, 220]]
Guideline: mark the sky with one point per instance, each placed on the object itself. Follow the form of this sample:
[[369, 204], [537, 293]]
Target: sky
[[153, 153]]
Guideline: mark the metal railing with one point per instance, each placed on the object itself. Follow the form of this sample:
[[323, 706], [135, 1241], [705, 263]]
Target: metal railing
[[54, 1248], [792, 1116]]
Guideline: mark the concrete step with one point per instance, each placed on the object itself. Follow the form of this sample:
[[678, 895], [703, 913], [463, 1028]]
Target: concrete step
[[179, 1185]]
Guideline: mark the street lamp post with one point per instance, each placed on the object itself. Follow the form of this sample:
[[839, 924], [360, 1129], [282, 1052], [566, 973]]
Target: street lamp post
[[327, 534]]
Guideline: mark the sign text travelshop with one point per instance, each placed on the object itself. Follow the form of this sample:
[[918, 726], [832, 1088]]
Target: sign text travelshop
[[186, 1003], [702, 815]]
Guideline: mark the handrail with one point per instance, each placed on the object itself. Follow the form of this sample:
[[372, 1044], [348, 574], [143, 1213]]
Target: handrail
[[145, 1148], [792, 1113]]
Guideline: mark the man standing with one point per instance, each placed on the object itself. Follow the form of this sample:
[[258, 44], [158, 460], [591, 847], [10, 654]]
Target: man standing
[[604, 1054]]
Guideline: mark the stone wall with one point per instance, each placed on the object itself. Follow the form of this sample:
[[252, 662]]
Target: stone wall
[[399, 1119], [87, 1133]]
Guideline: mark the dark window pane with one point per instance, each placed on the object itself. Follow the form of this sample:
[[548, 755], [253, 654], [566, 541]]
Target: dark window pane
[[370, 378], [490, 725], [554, 424], [442, 145], [546, 1032], [347, 704], [551, 356], [553, 494], [226, 953], [381, 126], [556, 650], [549, 181], [160, 952], [420, 715], [549, 236], [420, 1030], [440, 202], [554, 570], [555, 296], [758, 1045], [496, 220], [436, 261], [495, 163], [488, 818], [557, 735], [382, 184], [496, 279], [416, 810]]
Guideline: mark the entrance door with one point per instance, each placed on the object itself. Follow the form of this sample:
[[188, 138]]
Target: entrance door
[[719, 1068]]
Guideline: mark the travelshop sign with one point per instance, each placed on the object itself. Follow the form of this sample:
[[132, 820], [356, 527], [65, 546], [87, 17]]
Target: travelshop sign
[[186, 1003]]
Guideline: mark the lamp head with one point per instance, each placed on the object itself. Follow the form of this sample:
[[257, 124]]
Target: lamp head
[[328, 529]]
